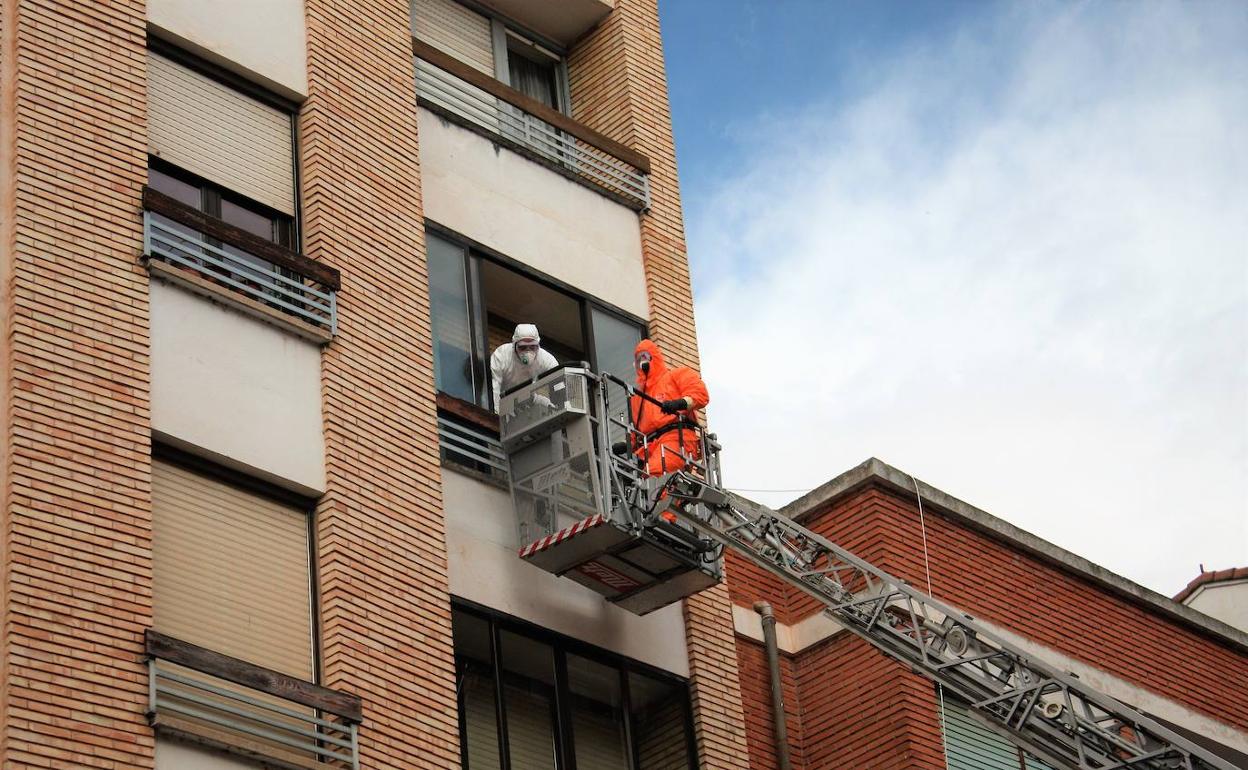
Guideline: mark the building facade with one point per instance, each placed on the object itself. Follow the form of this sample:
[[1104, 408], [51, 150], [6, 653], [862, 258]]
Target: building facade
[[255, 257], [847, 705]]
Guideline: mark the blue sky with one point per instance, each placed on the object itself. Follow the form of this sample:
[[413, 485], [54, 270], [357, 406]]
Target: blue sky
[[1002, 246]]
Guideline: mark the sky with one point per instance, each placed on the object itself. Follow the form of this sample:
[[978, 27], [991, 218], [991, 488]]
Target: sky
[[1000, 246]]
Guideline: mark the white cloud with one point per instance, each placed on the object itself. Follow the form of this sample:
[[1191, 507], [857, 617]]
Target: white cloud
[[1015, 265]]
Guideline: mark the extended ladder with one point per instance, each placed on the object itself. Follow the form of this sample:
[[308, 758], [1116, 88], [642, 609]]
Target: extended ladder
[[1045, 711]]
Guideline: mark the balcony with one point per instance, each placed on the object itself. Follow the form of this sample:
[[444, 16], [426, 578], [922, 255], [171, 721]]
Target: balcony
[[232, 266], [502, 114], [202, 696], [468, 436]]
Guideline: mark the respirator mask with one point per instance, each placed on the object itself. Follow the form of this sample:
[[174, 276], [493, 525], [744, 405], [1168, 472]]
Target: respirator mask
[[643, 362], [526, 352]]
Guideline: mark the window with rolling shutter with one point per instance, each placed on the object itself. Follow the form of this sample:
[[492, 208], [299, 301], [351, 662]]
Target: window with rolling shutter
[[972, 746], [456, 31], [232, 570], [221, 134]]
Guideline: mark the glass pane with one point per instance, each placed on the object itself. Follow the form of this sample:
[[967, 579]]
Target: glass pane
[[597, 715], [452, 331], [183, 192], [534, 79], [529, 697], [614, 342], [659, 723], [255, 223], [475, 687], [245, 218]]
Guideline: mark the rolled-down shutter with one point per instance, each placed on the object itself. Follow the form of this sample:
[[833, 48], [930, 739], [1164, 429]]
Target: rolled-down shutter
[[223, 135], [455, 30], [231, 570], [972, 746]]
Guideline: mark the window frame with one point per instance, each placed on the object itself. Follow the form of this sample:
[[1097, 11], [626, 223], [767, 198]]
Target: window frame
[[169, 453], [562, 646], [474, 252], [233, 80], [285, 227]]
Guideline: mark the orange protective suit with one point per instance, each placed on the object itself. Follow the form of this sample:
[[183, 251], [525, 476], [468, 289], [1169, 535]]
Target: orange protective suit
[[664, 384]]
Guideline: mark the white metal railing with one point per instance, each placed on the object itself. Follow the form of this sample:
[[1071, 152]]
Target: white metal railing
[[464, 443], [497, 116], [253, 277], [257, 720]]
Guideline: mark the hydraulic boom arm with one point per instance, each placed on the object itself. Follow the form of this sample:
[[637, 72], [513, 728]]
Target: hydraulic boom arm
[[1047, 712]]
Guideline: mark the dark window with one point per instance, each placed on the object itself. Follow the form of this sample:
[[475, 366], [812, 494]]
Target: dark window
[[564, 703], [476, 303], [217, 201], [534, 75]]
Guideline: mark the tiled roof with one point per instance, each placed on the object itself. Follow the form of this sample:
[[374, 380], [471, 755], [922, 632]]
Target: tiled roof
[[1204, 578]]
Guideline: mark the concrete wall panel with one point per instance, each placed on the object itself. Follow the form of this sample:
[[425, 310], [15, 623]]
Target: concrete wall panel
[[236, 389], [266, 40]]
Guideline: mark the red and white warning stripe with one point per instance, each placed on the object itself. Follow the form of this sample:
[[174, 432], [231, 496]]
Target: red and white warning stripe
[[561, 535]]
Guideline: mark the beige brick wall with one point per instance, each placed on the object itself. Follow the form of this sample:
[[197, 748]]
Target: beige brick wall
[[381, 547], [75, 516], [619, 87]]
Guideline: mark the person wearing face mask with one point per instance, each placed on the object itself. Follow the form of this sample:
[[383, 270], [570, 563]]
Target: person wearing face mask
[[519, 361], [669, 427]]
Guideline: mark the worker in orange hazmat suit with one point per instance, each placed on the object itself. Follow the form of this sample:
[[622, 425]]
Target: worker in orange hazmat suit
[[669, 427]]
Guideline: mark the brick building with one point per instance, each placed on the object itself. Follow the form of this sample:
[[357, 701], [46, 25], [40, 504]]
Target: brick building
[[253, 506], [255, 258], [849, 706]]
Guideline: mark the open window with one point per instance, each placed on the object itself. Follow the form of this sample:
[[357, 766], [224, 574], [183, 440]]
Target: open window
[[476, 303]]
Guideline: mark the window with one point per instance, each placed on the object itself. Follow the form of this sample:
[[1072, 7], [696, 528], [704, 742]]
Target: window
[[563, 703], [214, 131], [221, 203], [220, 208], [232, 568], [476, 303], [230, 208], [972, 746], [494, 46], [535, 72]]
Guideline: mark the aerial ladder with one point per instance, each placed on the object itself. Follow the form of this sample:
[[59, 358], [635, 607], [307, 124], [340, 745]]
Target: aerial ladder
[[593, 514]]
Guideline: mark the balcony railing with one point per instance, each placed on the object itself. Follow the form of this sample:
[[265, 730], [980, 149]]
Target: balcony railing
[[232, 705], [210, 255], [468, 96], [468, 436]]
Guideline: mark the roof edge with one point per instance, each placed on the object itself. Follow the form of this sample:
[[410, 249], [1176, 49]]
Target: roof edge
[[874, 470], [1211, 578]]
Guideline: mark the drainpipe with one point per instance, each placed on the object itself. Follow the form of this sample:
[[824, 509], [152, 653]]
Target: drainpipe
[[777, 693]]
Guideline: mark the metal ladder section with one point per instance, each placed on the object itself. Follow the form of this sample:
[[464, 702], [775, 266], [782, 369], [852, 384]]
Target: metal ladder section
[[1049, 713]]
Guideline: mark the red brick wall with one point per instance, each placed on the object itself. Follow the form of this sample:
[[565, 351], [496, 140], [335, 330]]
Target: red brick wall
[[860, 709], [756, 700], [385, 605], [75, 499], [619, 87], [1033, 598]]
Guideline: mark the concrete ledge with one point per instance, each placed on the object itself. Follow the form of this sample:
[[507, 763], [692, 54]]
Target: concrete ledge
[[226, 296], [875, 471], [790, 639]]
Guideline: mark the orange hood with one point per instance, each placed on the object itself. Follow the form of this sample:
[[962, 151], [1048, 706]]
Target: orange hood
[[657, 365]]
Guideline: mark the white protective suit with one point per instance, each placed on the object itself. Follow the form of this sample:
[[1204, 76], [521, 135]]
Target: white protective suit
[[505, 365]]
